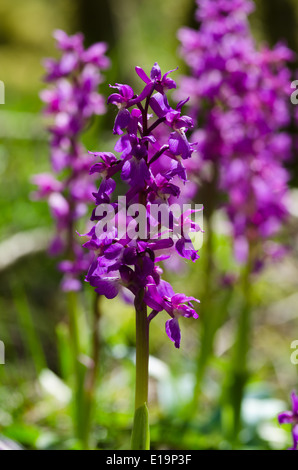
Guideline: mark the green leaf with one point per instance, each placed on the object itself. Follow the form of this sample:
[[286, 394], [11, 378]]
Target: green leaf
[[140, 439]]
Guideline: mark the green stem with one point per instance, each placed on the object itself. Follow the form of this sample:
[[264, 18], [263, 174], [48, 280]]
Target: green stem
[[239, 366], [78, 367], [140, 435], [209, 319], [90, 382], [206, 320]]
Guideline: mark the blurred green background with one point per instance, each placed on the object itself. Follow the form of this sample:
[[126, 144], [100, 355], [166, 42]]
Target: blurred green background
[[35, 405]]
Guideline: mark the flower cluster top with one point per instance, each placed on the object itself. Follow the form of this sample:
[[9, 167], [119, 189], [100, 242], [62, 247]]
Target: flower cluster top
[[71, 101], [133, 238]]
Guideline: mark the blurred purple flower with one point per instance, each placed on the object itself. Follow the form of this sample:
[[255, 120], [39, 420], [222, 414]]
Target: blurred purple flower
[[240, 95], [71, 100]]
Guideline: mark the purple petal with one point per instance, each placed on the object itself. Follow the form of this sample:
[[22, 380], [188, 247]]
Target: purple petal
[[106, 188], [179, 145], [106, 156], [153, 299], [70, 284], [68, 63], [57, 246], [187, 311], [177, 169], [159, 105], [126, 274], [121, 121], [181, 103], [113, 251], [97, 168], [143, 76], [123, 145], [169, 83], [183, 122], [126, 170], [178, 299], [155, 72], [115, 98], [58, 205], [109, 289], [285, 417], [185, 249], [95, 55], [165, 289], [295, 435], [46, 183], [126, 91], [173, 331], [146, 92], [295, 403], [130, 255], [67, 43], [147, 266], [161, 244]]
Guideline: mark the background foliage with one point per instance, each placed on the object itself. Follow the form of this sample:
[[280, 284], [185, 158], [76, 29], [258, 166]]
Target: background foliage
[[35, 405]]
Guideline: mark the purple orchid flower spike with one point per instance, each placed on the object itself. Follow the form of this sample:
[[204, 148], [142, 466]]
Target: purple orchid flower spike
[[129, 246], [150, 168], [242, 137], [291, 417], [71, 100]]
